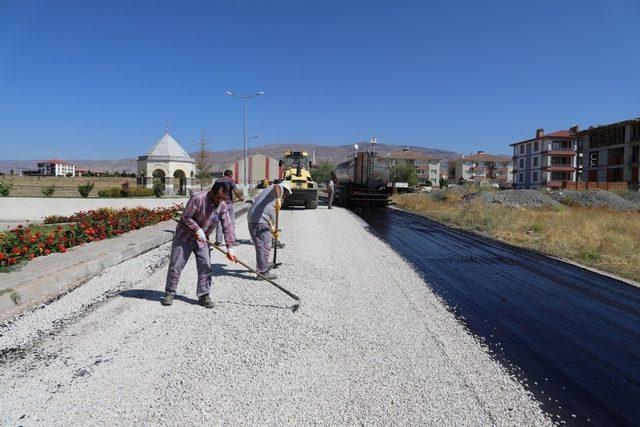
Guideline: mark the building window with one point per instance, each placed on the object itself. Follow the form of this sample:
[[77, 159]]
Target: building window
[[536, 146], [522, 149], [535, 162], [521, 178], [521, 163], [593, 159], [535, 177]]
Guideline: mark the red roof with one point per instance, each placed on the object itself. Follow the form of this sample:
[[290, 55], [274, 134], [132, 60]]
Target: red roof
[[56, 162], [556, 134]]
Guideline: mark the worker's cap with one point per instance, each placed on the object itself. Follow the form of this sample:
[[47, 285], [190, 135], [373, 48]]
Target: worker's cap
[[286, 185]]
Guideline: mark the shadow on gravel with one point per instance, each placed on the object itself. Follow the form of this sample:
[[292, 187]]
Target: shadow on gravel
[[245, 241], [153, 295], [220, 270]]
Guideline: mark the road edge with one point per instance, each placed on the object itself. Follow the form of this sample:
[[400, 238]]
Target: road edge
[[476, 233], [39, 292]]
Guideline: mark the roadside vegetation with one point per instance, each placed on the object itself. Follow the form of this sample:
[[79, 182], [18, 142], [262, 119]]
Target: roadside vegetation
[[598, 237], [23, 244]]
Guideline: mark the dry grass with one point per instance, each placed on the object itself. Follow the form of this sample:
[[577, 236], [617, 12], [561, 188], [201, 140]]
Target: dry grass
[[598, 238]]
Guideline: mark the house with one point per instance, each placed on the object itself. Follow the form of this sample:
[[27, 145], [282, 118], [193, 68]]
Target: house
[[56, 167], [548, 160], [427, 167], [481, 167], [610, 153]]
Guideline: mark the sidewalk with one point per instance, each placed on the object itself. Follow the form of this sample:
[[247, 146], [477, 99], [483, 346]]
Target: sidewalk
[[45, 278]]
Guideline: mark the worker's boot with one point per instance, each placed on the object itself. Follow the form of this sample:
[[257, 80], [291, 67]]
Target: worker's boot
[[267, 275], [167, 299], [205, 301]]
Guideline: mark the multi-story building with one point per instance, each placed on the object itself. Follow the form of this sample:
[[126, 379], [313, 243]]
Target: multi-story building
[[481, 167], [55, 167], [611, 152], [427, 167], [548, 160]]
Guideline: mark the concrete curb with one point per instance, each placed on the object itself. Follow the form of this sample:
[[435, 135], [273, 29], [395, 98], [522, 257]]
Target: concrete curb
[[47, 278]]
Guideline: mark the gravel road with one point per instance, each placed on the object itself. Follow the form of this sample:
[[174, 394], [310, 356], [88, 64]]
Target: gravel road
[[370, 344]]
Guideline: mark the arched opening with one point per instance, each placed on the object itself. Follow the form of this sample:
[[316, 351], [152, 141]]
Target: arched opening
[[180, 183], [159, 179]]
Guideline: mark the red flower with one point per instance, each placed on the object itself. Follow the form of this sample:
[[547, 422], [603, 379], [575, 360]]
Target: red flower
[[2, 256], [16, 250], [25, 250], [12, 260], [61, 248], [32, 256], [47, 251]]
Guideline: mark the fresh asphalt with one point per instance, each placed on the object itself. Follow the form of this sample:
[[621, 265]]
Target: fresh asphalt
[[571, 336]]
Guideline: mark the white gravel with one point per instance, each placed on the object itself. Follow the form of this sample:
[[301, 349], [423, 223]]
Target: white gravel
[[371, 344]]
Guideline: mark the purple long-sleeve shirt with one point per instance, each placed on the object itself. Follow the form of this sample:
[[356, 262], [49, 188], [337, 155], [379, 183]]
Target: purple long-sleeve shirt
[[200, 212]]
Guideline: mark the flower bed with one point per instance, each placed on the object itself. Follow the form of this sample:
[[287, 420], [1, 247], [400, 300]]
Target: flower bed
[[23, 244]]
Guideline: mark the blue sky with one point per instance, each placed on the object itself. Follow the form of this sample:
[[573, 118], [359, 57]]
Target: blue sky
[[99, 80]]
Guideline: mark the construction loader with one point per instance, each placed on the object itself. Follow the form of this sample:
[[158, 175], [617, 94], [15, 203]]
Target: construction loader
[[295, 167]]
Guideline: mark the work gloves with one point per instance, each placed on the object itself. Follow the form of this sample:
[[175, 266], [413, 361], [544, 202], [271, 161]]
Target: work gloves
[[231, 256], [200, 236], [275, 233]]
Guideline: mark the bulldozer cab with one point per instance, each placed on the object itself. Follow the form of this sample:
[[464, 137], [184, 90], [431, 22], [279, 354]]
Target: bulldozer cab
[[297, 161]]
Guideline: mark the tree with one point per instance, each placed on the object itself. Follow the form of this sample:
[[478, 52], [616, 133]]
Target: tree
[[203, 165], [404, 173], [322, 172], [85, 189], [444, 183]]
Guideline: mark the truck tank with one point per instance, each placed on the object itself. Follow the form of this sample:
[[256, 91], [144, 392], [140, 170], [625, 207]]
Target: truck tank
[[363, 180]]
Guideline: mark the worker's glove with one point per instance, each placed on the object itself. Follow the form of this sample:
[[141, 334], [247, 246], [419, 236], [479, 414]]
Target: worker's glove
[[231, 256], [200, 235], [278, 204], [275, 233]]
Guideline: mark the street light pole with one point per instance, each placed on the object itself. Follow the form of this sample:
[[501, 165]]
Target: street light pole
[[244, 132], [251, 160]]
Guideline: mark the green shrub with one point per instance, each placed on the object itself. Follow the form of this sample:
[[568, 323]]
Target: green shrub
[[55, 219], [125, 191], [48, 191], [444, 182], [84, 190], [5, 189], [130, 192], [158, 188]]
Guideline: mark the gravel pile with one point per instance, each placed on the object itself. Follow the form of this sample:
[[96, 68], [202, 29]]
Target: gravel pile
[[371, 344], [594, 199], [518, 198]]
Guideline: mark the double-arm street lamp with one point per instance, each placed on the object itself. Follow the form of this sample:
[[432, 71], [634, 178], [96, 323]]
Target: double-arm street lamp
[[244, 134]]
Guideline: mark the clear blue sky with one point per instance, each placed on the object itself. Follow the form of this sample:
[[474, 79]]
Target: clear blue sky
[[98, 79]]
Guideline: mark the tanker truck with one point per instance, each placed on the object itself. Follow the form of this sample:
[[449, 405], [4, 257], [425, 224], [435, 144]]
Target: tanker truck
[[363, 181]]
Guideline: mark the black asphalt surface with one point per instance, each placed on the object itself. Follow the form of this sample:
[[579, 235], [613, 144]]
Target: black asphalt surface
[[570, 335]]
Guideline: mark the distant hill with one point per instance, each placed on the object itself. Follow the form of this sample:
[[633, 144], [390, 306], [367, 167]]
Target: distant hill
[[223, 159], [324, 153]]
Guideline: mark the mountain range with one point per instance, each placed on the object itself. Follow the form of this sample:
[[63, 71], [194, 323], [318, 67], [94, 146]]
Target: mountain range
[[223, 159]]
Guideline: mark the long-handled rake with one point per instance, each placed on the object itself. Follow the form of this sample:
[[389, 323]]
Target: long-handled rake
[[295, 307]]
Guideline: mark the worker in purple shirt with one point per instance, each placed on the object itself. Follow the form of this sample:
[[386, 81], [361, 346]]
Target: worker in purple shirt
[[228, 180], [203, 213]]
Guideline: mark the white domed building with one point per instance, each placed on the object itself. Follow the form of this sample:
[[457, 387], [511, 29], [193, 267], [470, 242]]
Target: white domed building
[[167, 161]]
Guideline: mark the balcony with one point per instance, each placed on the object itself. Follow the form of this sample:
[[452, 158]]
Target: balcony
[[560, 168], [569, 152]]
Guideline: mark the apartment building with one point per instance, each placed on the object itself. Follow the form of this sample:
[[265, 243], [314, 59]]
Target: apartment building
[[55, 167], [481, 167], [427, 167], [611, 153], [548, 160]]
